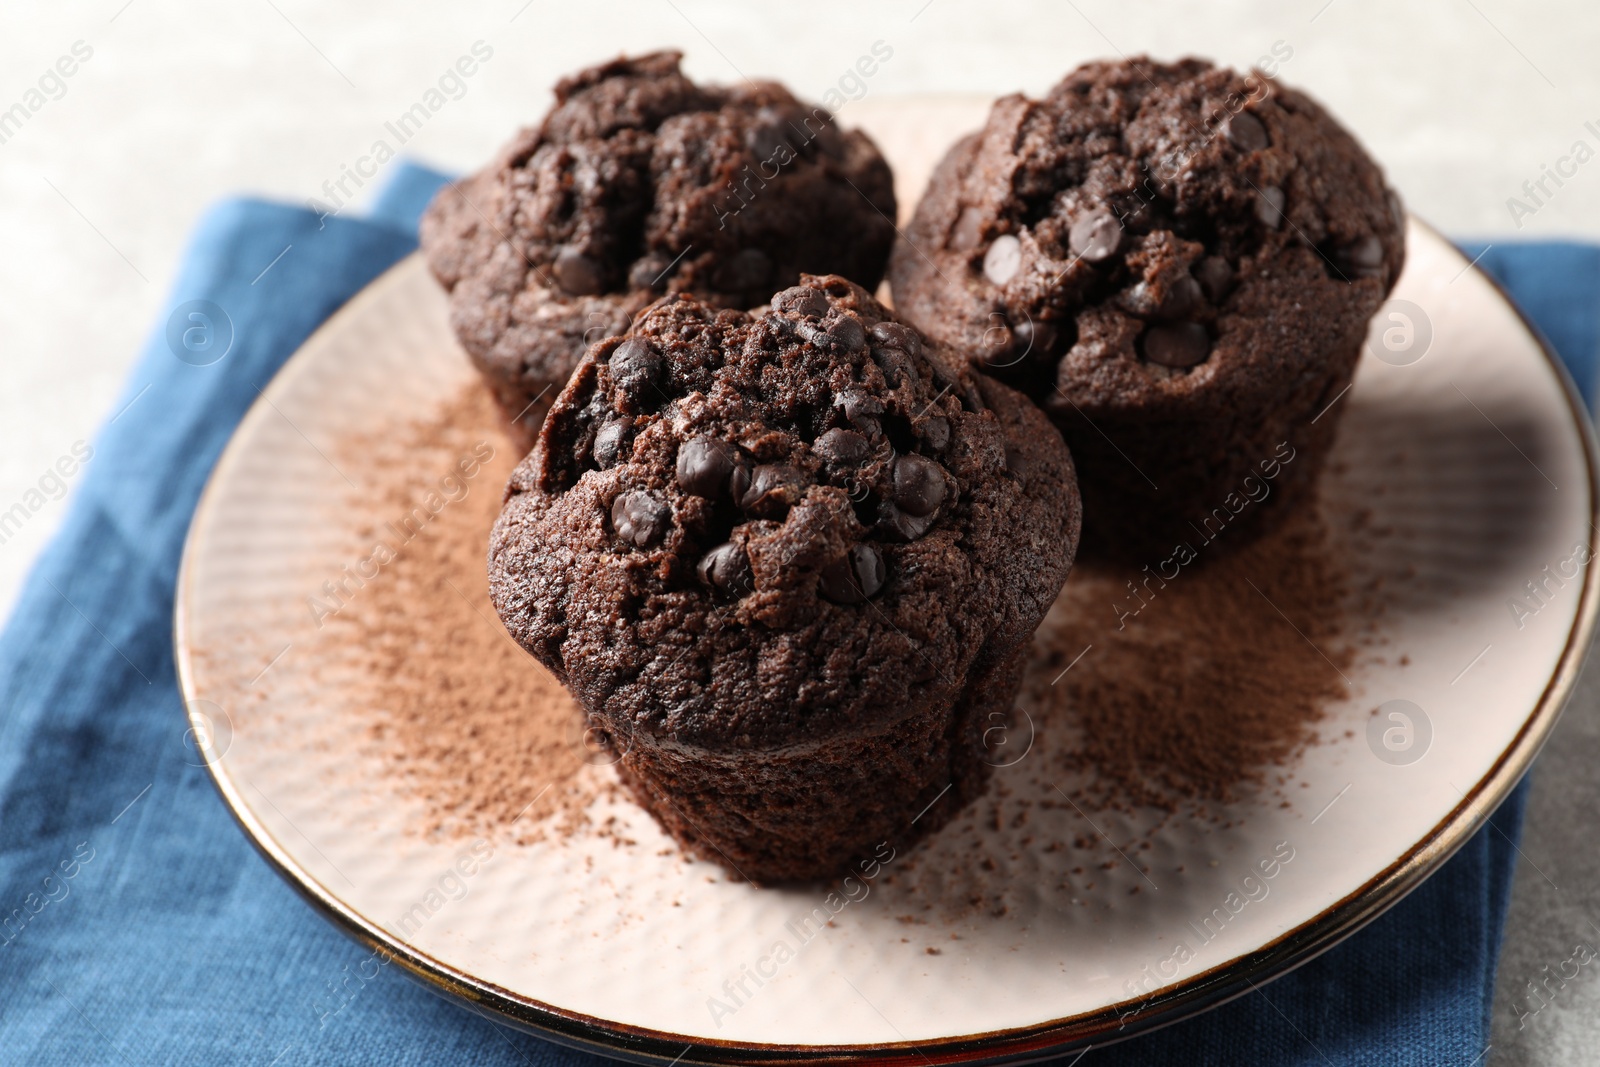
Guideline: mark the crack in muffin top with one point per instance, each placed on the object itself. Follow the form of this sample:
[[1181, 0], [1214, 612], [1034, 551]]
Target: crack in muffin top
[[1144, 226], [757, 530]]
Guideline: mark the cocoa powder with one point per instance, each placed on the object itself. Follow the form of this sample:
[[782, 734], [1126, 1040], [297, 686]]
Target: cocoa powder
[[482, 734], [1197, 678], [1149, 688]]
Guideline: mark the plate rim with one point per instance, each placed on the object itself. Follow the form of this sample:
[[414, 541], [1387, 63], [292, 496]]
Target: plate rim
[[1180, 1000]]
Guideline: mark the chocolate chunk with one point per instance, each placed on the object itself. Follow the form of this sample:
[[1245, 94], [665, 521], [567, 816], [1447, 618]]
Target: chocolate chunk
[[894, 335], [1177, 344], [746, 269], [704, 466], [726, 568], [849, 332], [1247, 133], [773, 488], [854, 578], [1033, 336], [634, 365], [1215, 276], [918, 485], [649, 272], [1095, 237], [935, 432], [608, 442], [1269, 206], [842, 448], [640, 517], [577, 273], [802, 300], [1003, 260], [857, 405], [1363, 259]]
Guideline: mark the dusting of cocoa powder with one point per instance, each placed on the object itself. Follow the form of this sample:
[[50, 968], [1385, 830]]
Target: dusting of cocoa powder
[[480, 732], [1199, 673], [1192, 682]]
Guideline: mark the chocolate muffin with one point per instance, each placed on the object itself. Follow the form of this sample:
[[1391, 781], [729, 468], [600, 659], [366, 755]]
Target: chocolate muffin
[[639, 182], [1178, 263], [790, 562]]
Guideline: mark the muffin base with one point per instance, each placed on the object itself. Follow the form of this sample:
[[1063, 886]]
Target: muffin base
[[1214, 475], [773, 817]]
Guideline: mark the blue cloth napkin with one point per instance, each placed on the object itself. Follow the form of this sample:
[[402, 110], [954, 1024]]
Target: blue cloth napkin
[[138, 926]]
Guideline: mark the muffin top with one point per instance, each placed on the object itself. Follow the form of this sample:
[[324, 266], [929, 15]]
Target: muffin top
[[638, 182], [1149, 231], [757, 531]]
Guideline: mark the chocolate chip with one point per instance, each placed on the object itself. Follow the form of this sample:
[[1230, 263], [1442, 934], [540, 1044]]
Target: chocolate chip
[[1030, 335], [704, 466], [746, 269], [802, 300], [768, 139], [935, 432], [1165, 297], [857, 405], [649, 272], [842, 448], [903, 524], [608, 442], [1095, 237], [855, 577], [1179, 298], [1269, 207], [1247, 133], [1177, 344], [894, 335], [577, 273], [640, 517], [726, 568], [739, 482], [849, 332], [918, 485], [1003, 260], [1215, 276], [773, 488], [634, 365], [895, 364], [967, 233], [1363, 258]]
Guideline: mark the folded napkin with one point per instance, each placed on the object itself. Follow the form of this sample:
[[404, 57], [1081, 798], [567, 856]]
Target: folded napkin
[[137, 925]]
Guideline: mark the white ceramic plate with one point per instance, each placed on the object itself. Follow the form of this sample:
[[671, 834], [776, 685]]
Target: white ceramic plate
[[631, 949]]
